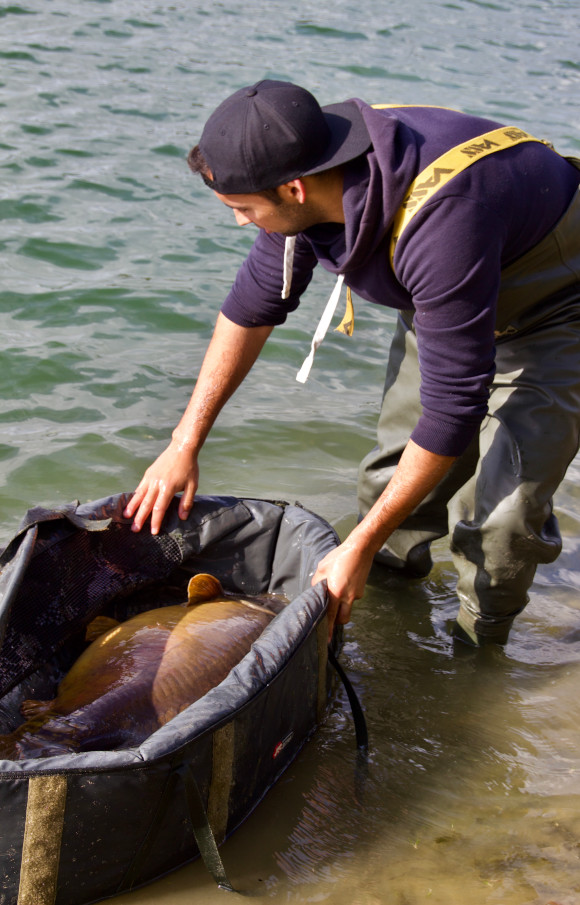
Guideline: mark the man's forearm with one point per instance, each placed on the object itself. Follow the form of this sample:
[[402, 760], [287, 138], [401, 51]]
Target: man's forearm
[[229, 357], [417, 473], [346, 568]]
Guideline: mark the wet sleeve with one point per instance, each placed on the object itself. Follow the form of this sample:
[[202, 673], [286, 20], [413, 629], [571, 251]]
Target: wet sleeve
[[255, 298], [451, 265]]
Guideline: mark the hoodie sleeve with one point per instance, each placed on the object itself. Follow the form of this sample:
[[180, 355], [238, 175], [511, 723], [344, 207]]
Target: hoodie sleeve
[[255, 299], [454, 281]]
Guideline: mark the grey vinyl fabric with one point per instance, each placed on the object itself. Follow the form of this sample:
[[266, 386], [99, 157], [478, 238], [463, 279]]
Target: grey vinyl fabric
[[123, 817]]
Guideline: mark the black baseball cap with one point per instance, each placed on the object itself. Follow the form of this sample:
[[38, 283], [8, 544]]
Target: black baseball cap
[[269, 133]]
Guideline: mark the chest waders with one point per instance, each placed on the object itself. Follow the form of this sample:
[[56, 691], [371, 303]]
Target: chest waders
[[496, 500]]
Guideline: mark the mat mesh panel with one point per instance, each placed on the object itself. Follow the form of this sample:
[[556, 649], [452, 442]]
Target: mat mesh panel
[[70, 583]]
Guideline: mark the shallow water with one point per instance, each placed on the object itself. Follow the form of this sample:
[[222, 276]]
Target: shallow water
[[114, 263]]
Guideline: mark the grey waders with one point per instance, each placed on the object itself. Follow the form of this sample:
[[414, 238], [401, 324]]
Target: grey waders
[[496, 501]]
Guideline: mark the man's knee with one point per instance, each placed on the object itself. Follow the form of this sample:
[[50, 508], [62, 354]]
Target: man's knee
[[496, 563]]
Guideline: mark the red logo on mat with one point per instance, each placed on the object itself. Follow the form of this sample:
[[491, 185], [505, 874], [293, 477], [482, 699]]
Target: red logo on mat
[[281, 745]]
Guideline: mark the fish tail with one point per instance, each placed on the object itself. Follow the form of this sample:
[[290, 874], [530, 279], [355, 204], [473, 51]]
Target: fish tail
[[32, 709], [8, 748]]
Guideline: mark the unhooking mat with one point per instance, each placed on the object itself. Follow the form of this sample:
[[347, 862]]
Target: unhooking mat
[[78, 828]]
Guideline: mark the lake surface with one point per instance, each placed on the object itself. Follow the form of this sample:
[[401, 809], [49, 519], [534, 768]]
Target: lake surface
[[115, 260]]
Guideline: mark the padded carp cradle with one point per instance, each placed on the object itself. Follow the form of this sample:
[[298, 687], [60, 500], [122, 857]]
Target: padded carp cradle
[[77, 828]]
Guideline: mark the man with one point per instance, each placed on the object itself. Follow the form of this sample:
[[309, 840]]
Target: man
[[481, 410]]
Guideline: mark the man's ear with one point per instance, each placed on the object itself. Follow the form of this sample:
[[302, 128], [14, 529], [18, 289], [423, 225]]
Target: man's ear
[[295, 190]]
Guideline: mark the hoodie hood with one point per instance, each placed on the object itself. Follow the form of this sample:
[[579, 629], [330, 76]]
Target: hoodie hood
[[374, 188]]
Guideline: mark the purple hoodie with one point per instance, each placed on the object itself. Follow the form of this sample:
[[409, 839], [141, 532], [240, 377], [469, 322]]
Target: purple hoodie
[[447, 262]]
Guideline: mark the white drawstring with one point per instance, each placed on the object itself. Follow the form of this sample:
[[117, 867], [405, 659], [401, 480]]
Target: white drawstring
[[327, 314], [321, 330], [289, 247]]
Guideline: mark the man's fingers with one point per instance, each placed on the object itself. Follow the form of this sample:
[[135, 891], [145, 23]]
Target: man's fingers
[[331, 614], [162, 500], [187, 498], [147, 500], [343, 613], [141, 514], [338, 614], [133, 504]]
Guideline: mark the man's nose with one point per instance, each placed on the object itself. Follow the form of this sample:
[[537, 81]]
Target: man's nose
[[241, 219]]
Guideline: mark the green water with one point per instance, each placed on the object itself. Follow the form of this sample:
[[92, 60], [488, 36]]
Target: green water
[[114, 264]]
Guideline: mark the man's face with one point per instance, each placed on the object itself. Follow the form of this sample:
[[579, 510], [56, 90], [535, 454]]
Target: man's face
[[287, 217]]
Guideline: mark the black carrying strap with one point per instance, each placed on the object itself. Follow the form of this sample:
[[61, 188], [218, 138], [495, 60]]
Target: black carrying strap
[[360, 725], [202, 830]]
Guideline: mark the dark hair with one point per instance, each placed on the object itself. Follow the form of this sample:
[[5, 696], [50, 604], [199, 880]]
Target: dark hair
[[198, 164]]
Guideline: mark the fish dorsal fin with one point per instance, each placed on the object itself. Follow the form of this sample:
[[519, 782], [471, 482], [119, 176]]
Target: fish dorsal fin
[[100, 626], [203, 587], [30, 709]]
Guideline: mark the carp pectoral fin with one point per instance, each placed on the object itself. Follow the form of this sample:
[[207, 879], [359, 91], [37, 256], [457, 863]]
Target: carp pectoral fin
[[30, 709], [99, 626], [203, 587]]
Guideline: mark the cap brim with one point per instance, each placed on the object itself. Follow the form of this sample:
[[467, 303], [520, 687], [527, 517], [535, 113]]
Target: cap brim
[[350, 137]]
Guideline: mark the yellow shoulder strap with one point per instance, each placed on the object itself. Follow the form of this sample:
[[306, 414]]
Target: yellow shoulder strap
[[448, 165], [434, 177]]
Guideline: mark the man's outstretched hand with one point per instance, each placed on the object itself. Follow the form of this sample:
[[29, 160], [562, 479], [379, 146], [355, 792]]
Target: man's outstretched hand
[[175, 470]]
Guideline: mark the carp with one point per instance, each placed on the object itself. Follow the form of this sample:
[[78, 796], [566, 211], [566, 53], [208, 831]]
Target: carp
[[137, 675]]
